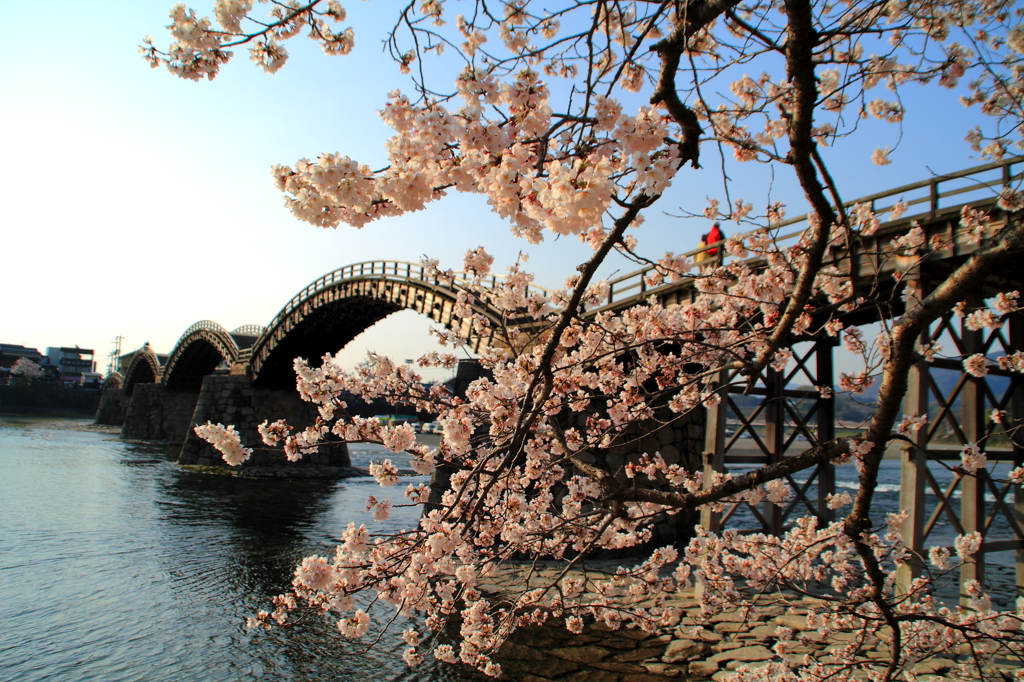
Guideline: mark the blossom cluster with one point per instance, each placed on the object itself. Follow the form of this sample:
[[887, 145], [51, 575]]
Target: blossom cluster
[[226, 440], [567, 380]]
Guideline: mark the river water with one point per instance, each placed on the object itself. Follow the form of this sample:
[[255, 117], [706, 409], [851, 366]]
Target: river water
[[115, 565]]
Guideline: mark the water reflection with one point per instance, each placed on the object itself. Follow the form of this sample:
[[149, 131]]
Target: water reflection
[[115, 565]]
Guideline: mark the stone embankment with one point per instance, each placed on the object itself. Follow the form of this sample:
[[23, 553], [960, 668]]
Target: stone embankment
[[41, 399], [728, 642]]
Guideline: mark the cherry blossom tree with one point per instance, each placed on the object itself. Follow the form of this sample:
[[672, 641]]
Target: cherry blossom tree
[[574, 119], [27, 369]]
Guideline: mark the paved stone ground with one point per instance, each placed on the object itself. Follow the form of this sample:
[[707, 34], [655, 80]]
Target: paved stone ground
[[729, 641]]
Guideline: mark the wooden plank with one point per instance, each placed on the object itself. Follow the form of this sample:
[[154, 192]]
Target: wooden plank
[[1016, 416], [914, 462], [714, 454], [774, 433], [826, 417], [972, 501], [1003, 546]]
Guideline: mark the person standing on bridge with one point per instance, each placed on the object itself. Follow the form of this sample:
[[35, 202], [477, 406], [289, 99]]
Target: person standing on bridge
[[714, 236]]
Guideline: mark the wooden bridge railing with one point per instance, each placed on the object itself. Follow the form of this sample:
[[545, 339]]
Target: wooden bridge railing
[[978, 186], [249, 330], [385, 270]]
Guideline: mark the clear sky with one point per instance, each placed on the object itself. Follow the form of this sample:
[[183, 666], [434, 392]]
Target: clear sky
[[136, 203]]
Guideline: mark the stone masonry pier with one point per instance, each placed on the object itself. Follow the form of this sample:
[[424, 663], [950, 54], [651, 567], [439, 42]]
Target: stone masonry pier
[[232, 399], [157, 413], [113, 407]]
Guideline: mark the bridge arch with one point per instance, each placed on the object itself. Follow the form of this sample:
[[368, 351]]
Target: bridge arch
[[199, 351], [113, 381], [144, 368], [334, 309]]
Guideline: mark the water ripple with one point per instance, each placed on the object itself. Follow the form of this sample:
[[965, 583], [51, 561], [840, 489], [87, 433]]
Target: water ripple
[[116, 566]]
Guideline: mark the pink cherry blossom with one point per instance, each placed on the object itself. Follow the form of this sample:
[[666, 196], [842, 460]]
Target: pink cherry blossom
[[226, 440]]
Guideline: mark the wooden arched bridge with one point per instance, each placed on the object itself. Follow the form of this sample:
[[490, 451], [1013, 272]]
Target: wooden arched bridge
[[782, 416]]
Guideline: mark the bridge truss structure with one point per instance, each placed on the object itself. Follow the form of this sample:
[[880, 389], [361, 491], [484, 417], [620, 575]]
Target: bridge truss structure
[[784, 414]]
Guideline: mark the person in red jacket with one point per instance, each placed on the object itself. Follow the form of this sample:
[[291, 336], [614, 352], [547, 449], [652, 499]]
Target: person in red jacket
[[715, 235]]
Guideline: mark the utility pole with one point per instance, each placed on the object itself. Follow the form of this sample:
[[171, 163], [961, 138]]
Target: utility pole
[[114, 355]]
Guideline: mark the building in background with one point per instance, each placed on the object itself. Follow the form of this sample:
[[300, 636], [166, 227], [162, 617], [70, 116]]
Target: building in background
[[11, 353], [75, 366]]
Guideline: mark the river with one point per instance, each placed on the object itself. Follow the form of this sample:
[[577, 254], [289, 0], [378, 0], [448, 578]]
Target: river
[[116, 565]]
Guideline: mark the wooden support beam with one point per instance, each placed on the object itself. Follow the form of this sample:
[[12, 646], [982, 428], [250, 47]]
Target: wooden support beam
[[914, 464], [1016, 420], [972, 419], [714, 451], [774, 439], [826, 415], [714, 460]]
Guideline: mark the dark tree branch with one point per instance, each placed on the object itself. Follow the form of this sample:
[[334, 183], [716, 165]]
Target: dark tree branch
[[697, 16]]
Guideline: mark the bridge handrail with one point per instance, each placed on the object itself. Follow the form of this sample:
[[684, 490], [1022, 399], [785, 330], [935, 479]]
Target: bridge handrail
[[637, 279], [146, 354], [249, 330], [203, 325], [391, 271]]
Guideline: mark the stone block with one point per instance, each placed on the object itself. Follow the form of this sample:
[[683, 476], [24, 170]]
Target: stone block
[[702, 668], [760, 632], [158, 414], [670, 453], [232, 399], [514, 650], [793, 622], [719, 647], [746, 654], [684, 650], [751, 665], [581, 654], [665, 669], [704, 636]]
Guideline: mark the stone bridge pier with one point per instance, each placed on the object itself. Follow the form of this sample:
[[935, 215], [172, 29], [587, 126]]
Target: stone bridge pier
[[113, 402], [232, 399], [158, 413]]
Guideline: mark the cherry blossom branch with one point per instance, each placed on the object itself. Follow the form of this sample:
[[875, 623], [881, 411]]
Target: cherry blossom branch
[[697, 16]]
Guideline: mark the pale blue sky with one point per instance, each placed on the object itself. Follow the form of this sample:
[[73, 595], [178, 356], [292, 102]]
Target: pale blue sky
[[134, 202]]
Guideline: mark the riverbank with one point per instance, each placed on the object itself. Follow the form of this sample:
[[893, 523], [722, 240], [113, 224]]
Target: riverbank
[[44, 398], [729, 643], [54, 418]]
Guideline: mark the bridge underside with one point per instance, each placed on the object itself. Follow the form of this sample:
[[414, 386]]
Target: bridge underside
[[138, 373], [326, 329], [197, 360], [244, 340]]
